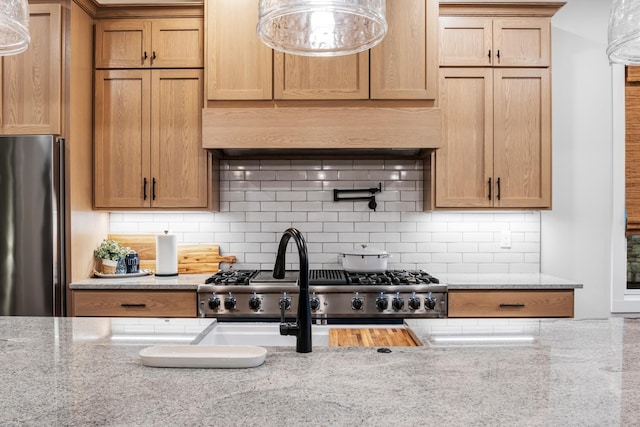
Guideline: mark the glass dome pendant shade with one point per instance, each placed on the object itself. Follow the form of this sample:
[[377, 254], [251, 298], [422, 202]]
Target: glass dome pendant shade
[[624, 32], [322, 27], [14, 27]]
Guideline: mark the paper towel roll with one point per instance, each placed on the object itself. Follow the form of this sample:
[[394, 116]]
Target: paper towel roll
[[166, 254]]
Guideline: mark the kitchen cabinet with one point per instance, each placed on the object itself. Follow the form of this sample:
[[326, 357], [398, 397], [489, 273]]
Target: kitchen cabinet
[[497, 42], [405, 64], [154, 43], [147, 144], [30, 84], [495, 97], [239, 65], [496, 138], [134, 303], [511, 303], [304, 77]]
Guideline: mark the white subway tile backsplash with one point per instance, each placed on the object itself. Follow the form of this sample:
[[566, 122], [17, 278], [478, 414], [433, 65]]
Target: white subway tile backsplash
[[261, 175], [338, 227], [261, 198]]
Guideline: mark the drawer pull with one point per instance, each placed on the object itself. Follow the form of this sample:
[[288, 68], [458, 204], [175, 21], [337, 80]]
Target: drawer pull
[[512, 305], [124, 304]]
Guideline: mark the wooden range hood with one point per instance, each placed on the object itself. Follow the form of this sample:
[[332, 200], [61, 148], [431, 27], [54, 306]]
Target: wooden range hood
[[322, 131]]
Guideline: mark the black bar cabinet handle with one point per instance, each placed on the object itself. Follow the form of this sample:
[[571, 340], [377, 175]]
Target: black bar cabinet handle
[[489, 188], [124, 304], [498, 193], [144, 189], [498, 54], [144, 56], [153, 189], [489, 54], [153, 55], [512, 305]]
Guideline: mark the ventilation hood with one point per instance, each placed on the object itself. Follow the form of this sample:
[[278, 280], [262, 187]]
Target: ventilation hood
[[322, 131]]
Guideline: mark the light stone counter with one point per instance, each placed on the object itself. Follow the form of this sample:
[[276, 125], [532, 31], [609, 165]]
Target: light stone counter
[[181, 281], [506, 281], [453, 281], [72, 372]]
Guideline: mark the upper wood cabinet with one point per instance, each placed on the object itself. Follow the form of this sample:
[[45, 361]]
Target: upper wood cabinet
[[405, 64], [239, 65], [156, 43], [304, 77], [148, 147], [497, 42], [30, 84], [496, 138]]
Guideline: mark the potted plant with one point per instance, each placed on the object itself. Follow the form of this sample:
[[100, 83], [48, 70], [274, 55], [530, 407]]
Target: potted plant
[[109, 253]]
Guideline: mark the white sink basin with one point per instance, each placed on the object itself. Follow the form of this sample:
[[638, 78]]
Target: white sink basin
[[261, 334]]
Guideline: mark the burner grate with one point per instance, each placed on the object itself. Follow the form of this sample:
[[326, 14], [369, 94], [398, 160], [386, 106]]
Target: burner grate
[[327, 277]]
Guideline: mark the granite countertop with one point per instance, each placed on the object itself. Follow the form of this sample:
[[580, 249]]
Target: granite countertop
[[83, 371], [506, 281], [181, 281], [453, 281]]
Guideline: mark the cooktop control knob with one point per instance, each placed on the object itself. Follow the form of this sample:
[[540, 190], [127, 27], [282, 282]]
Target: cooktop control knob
[[357, 302], [314, 302], [285, 300], [382, 303], [230, 302], [414, 302], [255, 302], [429, 302], [214, 302], [397, 303]]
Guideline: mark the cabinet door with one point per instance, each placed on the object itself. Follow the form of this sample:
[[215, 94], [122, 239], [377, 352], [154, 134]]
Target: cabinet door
[[177, 43], [178, 161], [30, 87], [522, 138], [304, 77], [405, 64], [123, 43], [239, 66], [466, 41], [522, 42], [464, 162], [121, 142]]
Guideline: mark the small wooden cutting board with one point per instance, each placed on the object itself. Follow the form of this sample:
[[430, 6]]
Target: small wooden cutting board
[[192, 258], [372, 337]]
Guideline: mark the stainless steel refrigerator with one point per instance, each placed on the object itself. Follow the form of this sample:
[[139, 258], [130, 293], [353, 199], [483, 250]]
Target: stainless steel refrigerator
[[32, 217]]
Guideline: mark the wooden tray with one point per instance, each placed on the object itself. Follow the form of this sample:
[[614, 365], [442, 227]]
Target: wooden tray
[[370, 337]]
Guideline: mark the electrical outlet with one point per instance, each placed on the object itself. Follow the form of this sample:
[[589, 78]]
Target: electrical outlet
[[505, 239]]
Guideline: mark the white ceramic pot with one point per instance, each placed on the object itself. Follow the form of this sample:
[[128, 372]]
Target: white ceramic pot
[[365, 260]]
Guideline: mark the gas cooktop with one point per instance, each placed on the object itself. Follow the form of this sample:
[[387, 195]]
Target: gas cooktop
[[334, 294], [324, 277]]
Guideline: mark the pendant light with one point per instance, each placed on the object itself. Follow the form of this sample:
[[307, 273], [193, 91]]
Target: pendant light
[[322, 27], [624, 32], [14, 27]]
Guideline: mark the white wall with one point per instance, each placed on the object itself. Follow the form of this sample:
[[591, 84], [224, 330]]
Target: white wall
[[576, 234]]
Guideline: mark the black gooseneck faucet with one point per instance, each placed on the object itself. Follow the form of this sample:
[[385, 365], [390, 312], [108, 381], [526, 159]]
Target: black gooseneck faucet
[[302, 327]]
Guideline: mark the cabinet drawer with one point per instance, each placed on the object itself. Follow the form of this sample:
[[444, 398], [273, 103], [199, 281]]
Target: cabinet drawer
[[511, 303], [134, 303]]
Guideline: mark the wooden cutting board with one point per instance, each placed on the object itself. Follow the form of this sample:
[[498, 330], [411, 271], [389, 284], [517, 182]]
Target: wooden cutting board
[[192, 258], [373, 337]]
